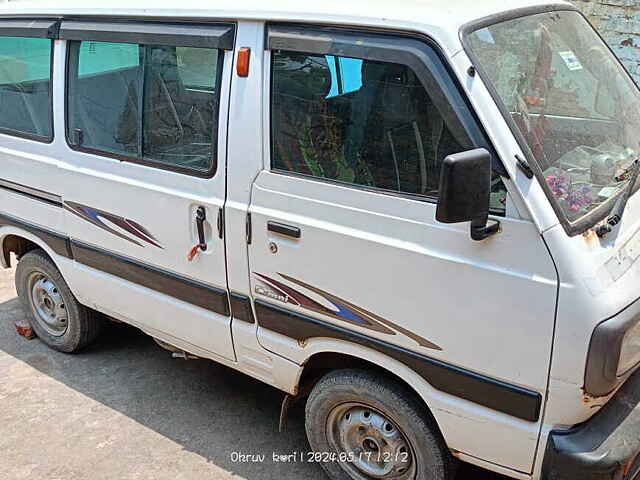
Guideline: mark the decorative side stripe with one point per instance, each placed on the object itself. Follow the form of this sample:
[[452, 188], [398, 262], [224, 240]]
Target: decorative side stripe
[[344, 311], [98, 217], [173, 285], [30, 192], [168, 283], [241, 308], [495, 394]]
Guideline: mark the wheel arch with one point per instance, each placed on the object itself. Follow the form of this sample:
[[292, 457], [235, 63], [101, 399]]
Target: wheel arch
[[460, 422], [18, 241], [325, 355]]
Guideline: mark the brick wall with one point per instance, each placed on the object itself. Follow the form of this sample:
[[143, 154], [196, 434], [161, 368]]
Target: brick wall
[[619, 23]]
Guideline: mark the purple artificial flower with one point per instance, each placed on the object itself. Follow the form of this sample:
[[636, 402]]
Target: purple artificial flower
[[575, 198], [559, 183], [578, 198]]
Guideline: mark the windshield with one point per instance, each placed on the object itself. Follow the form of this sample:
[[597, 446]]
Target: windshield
[[576, 107]]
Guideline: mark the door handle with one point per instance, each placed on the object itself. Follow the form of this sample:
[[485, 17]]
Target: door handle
[[283, 229], [201, 217]]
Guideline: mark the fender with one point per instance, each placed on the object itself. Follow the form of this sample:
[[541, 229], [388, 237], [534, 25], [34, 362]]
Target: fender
[[468, 428], [448, 378]]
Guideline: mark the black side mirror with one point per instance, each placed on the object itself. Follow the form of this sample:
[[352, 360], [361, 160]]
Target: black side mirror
[[465, 192]]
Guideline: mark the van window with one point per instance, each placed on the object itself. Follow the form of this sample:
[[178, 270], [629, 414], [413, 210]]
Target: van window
[[163, 115], [25, 87], [357, 121], [101, 90], [100, 57]]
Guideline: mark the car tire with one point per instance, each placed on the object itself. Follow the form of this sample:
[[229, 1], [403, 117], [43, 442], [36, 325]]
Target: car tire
[[362, 425], [55, 315]]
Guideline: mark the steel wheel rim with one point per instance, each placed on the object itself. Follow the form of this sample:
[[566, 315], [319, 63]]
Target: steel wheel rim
[[47, 304], [369, 444]]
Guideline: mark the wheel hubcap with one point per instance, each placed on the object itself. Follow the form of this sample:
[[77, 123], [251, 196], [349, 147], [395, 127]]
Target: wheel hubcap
[[48, 304], [373, 446]]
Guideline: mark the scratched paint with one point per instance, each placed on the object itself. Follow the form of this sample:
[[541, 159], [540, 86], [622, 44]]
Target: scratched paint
[[618, 21]]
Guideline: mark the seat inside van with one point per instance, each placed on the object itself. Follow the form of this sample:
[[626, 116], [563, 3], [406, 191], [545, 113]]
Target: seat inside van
[[177, 119], [385, 134], [28, 101]]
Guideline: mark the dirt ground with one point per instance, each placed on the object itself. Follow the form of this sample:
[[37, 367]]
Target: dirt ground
[[124, 409]]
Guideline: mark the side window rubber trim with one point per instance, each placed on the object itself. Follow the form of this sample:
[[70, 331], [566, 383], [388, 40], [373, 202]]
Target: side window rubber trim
[[211, 35], [31, 28]]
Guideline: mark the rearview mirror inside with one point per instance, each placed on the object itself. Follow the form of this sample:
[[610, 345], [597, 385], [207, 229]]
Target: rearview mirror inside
[[465, 190]]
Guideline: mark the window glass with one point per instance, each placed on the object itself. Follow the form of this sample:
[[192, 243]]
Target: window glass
[[197, 67], [177, 90], [103, 95], [178, 121], [99, 57], [361, 122], [570, 98], [25, 78]]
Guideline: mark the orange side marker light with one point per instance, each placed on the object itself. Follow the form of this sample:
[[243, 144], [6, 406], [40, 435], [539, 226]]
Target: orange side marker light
[[244, 58]]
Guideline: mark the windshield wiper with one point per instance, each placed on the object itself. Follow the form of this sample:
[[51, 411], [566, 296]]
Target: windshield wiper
[[618, 209]]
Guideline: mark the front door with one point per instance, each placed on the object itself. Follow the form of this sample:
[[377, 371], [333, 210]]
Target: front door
[[344, 232], [147, 154]]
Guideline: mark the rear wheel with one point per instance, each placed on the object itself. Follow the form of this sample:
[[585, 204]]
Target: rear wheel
[[54, 313], [362, 426]]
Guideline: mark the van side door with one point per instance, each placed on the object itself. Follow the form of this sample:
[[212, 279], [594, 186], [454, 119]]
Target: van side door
[[146, 109], [345, 244]]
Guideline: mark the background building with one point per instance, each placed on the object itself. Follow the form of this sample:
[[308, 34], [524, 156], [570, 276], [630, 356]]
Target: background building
[[619, 22]]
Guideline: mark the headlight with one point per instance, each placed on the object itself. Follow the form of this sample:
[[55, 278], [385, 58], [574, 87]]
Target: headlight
[[613, 353], [630, 350]]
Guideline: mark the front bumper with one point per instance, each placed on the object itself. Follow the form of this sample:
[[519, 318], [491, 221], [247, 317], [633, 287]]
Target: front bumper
[[606, 447]]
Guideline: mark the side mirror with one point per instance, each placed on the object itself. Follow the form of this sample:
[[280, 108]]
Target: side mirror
[[465, 192]]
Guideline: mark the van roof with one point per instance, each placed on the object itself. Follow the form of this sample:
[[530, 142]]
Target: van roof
[[429, 16]]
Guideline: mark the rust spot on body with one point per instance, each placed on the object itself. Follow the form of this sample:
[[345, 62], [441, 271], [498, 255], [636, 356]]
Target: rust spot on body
[[627, 466], [591, 238]]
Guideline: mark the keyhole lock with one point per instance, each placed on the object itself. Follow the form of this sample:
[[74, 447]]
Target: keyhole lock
[[273, 247]]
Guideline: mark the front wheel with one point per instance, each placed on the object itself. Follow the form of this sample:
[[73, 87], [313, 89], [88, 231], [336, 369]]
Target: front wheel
[[363, 426]]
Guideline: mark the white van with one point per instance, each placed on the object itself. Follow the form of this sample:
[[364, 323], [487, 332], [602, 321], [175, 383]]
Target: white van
[[419, 215]]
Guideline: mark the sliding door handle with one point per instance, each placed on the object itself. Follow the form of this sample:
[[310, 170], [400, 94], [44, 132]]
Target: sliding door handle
[[201, 246], [201, 217], [286, 230]]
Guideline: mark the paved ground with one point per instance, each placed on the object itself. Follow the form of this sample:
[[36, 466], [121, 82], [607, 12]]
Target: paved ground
[[125, 410]]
